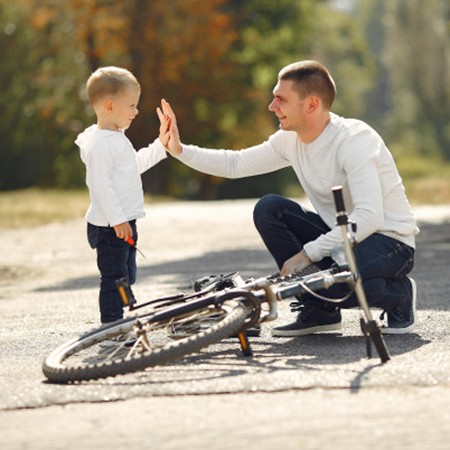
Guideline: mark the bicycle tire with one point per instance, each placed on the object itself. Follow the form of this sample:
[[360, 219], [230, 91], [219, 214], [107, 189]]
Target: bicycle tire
[[60, 367]]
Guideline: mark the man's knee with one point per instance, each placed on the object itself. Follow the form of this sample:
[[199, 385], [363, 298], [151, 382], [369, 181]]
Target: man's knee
[[266, 207]]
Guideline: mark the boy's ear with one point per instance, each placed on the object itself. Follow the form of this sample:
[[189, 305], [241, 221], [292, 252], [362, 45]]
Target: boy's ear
[[109, 104]]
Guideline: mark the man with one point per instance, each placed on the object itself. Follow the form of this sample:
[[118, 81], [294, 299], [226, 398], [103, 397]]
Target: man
[[324, 150]]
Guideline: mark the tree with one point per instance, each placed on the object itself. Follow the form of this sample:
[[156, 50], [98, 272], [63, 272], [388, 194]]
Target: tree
[[39, 116], [216, 61], [339, 41], [181, 53], [417, 54]]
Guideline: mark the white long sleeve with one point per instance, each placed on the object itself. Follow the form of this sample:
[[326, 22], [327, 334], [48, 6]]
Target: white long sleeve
[[347, 153]]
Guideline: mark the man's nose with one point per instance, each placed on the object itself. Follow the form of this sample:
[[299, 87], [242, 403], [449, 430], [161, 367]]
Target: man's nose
[[271, 106]]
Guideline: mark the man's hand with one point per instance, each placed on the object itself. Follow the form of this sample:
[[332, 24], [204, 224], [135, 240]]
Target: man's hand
[[123, 231], [295, 264], [168, 130]]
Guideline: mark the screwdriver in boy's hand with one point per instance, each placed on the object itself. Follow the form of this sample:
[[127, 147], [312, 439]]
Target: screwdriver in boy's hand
[[133, 244]]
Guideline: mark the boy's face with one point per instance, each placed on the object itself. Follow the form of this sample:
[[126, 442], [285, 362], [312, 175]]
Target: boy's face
[[122, 109]]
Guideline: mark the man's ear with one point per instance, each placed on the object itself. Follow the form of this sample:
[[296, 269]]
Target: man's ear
[[313, 103]]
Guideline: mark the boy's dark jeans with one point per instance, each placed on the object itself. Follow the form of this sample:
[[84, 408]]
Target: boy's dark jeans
[[383, 262], [115, 259]]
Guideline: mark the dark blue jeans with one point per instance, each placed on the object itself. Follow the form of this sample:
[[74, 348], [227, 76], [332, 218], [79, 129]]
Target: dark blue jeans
[[383, 262], [115, 259]]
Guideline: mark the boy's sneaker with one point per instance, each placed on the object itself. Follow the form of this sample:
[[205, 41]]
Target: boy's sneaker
[[401, 318], [125, 340], [312, 318]]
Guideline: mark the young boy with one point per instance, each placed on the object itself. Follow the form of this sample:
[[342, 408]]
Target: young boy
[[113, 169]]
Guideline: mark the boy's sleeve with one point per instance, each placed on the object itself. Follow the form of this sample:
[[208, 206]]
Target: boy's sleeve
[[148, 157]]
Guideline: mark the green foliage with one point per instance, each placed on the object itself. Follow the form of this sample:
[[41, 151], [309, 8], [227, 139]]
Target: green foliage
[[339, 41], [217, 62], [39, 114], [418, 60], [16, 101]]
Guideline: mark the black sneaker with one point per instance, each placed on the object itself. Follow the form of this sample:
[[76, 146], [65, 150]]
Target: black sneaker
[[401, 318], [312, 318]]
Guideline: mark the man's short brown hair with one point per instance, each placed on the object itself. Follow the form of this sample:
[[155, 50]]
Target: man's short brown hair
[[109, 81], [310, 78]]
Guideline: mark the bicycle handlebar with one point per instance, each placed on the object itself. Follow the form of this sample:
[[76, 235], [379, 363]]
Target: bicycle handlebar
[[338, 199], [270, 293], [323, 280]]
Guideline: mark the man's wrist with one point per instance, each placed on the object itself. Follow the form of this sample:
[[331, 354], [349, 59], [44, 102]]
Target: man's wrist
[[179, 150], [306, 254]]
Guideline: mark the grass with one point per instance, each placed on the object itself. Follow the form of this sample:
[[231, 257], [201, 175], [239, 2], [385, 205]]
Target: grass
[[427, 180], [33, 207], [428, 191]]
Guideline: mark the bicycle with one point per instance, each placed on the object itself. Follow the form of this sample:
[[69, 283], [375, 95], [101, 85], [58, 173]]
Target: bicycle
[[220, 307]]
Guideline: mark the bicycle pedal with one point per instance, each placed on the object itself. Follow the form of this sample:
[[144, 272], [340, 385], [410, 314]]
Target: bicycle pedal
[[126, 295], [245, 344], [254, 331]]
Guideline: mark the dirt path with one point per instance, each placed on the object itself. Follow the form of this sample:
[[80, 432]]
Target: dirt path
[[311, 393]]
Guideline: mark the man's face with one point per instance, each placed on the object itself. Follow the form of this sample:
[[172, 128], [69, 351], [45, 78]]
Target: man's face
[[288, 106]]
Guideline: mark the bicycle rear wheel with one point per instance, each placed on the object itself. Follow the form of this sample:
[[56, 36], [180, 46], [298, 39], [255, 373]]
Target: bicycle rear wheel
[[145, 343]]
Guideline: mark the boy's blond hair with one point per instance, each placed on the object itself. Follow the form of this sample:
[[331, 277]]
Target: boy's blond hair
[[109, 81]]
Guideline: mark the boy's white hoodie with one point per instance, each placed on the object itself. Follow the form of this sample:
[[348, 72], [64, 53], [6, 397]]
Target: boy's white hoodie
[[113, 169]]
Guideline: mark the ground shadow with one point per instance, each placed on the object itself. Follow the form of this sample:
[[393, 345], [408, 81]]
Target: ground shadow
[[254, 263], [308, 354], [430, 271]]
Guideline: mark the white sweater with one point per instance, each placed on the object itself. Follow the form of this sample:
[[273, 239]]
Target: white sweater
[[113, 169], [348, 153]]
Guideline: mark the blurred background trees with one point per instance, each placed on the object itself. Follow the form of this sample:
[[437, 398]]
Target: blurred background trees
[[216, 61]]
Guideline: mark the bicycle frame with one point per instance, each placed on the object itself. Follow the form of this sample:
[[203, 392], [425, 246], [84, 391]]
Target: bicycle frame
[[270, 291]]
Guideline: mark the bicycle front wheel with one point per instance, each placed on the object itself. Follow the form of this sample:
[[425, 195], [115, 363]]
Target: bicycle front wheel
[[134, 344]]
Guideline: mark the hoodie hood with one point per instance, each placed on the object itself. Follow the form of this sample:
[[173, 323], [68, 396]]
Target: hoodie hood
[[87, 139]]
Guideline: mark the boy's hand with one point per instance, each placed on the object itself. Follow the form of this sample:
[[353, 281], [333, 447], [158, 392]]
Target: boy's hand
[[168, 130], [123, 231], [164, 128]]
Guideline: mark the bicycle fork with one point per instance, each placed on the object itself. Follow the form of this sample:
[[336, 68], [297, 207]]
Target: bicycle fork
[[369, 327]]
